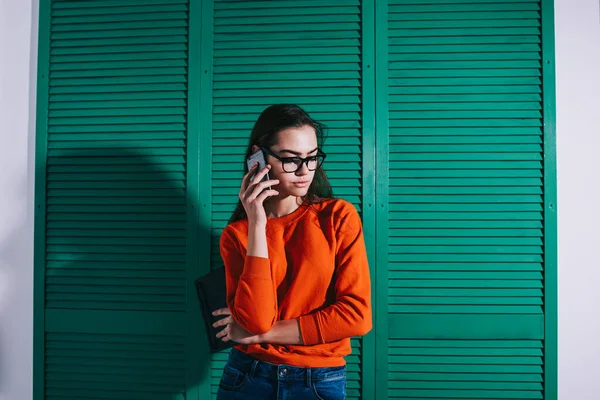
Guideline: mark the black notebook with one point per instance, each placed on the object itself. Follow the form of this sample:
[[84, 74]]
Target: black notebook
[[212, 292]]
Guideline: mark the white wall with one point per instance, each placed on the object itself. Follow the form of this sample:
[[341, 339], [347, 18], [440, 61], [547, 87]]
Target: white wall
[[578, 151], [578, 138], [17, 102]]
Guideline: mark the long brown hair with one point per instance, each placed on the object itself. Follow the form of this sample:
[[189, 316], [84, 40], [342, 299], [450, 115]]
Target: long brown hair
[[273, 120]]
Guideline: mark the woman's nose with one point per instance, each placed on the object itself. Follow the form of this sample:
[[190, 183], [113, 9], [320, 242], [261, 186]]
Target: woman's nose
[[303, 170]]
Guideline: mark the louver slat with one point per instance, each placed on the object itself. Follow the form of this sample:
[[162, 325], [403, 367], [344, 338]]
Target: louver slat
[[465, 207]]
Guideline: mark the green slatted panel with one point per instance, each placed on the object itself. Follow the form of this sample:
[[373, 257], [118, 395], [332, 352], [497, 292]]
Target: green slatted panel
[[465, 205], [218, 363], [116, 200], [92, 366], [481, 369], [285, 51], [354, 370], [254, 67]]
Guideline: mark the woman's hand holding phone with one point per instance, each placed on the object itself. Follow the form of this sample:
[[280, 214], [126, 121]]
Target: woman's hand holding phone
[[253, 193]]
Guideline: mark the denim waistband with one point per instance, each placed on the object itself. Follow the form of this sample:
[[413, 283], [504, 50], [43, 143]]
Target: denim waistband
[[254, 367]]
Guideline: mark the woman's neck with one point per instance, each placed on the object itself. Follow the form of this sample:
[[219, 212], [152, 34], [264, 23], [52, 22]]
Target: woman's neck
[[276, 208]]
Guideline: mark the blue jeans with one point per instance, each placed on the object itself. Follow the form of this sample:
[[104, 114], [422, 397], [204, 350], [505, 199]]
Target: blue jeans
[[245, 378]]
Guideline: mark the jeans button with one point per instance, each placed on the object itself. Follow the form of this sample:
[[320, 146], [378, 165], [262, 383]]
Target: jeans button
[[283, 372]]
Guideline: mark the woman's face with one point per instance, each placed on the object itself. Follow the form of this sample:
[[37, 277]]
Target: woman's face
[[293, 142]]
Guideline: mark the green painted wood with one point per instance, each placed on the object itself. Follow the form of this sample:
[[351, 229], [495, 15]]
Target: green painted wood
[[466, 268], [120, 17], [472, 6], [102, 321], [550, 204], [121, 7], [204, 33], [116, 199], [116, 33], [231, 12], [456, 326], [88, 6], [366, 381], [277, 4], [197, 351], [40, 233], [382, 141]]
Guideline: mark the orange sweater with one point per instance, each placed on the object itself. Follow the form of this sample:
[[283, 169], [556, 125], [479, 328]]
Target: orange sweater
[[317, 272]]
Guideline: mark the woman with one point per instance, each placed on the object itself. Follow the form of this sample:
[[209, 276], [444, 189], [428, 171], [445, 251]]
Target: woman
[[298, 284]]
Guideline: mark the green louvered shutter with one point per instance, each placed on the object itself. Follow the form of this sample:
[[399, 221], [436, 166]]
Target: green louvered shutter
[[465, 200], [115, 213], [305, 52]]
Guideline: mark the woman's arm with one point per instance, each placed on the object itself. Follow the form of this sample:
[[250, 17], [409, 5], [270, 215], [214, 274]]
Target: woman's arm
[[350, 314], [251, 294], [257, 240], [283, 332]]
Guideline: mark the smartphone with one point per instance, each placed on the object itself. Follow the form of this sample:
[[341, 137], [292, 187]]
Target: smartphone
[[258, 157]]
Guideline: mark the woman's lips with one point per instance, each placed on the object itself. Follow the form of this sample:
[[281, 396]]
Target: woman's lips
[[302, 184]]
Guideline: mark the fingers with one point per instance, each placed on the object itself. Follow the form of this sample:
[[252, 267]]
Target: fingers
[[246, 178], [222, 311], [260, 174], [224, 332], [267, 193], [256, 190], [247, 186], [223, 321]]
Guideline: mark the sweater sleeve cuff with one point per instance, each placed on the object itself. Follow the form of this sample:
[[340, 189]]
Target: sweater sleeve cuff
[[257, 267], [309, 330]]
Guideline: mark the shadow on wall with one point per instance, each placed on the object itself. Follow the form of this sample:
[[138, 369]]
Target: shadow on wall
[[122, 254]]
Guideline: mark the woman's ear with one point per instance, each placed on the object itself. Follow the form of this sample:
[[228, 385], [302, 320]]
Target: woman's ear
[[255, 148]]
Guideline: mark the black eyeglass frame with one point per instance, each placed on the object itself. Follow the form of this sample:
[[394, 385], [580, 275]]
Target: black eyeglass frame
[[304, 160]]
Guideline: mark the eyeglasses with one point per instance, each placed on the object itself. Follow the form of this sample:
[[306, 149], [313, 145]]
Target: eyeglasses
[[293, 164]]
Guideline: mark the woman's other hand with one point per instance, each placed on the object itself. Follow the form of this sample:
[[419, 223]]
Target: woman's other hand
[[233, 331]]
